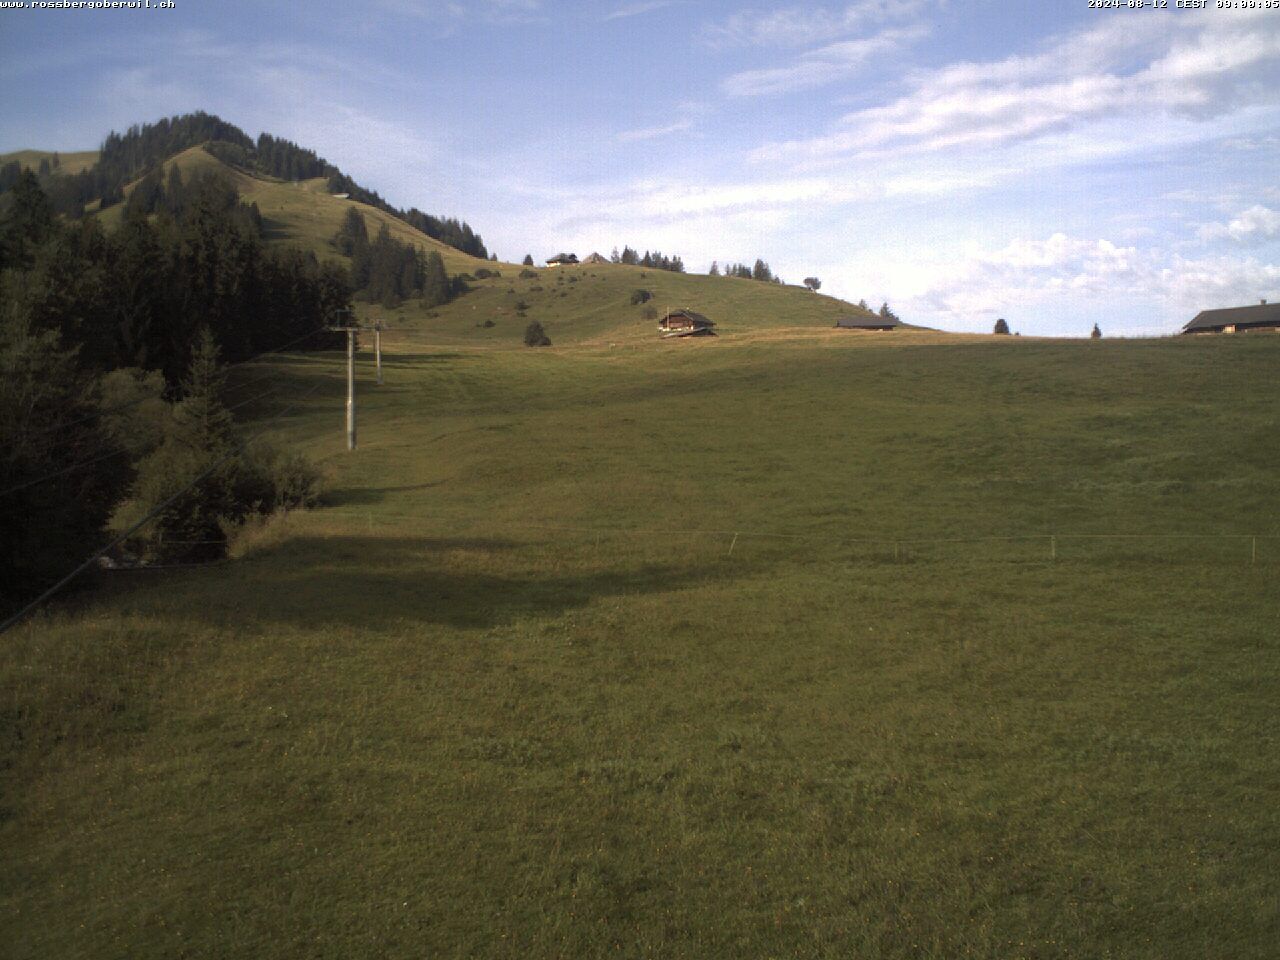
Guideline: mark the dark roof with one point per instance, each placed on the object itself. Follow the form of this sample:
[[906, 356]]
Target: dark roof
[[695, 317], [866, 323], [564, 258], [1263, 313]]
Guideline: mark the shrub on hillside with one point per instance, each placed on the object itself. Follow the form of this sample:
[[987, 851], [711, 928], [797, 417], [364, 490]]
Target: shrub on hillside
[[535, 336], [1002, 327], [528, 274], [484, 273], [640, 296], [227, 482]]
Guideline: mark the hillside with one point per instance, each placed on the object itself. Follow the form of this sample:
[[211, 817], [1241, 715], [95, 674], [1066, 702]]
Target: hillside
[[301, 213], [689, 651], [575, 304], [68, 162], [587, 304]]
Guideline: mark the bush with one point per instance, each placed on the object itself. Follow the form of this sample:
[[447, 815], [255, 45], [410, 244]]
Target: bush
[[528, 274], [640, 296], [535, 336], [484, 273], [521, 306], [488, 323], [464, 277]]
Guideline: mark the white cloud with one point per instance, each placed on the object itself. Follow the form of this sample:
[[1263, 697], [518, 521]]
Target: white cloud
[[653, 133], [1196, 67], [1253, 225], [1029, 279], [816, 68], [805, 26], [635, 10]]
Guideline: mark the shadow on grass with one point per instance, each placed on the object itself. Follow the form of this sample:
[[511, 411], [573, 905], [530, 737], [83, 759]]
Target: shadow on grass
[[377, 582], [366, 496]]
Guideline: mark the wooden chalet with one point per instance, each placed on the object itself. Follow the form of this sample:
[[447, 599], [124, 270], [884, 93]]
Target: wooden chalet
[[1265, 316], [563, 260], [685, 323], [867, 323]]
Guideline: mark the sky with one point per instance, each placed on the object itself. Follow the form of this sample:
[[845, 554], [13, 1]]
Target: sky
[[1041, 161]]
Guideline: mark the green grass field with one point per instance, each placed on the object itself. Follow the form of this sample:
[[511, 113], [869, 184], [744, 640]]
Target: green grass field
[[518, 690]]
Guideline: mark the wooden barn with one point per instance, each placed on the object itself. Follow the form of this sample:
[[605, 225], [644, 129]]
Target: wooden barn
[[596, 258], [563, 260], [1265, 316], [867, 323], [685, 323]]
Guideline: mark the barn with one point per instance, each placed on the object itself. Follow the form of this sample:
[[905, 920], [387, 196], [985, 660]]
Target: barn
[[1265, 316], [685, 323], [596, 258], [867, 323], [563, 260]]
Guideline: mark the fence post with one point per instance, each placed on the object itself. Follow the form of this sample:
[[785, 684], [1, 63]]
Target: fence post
[[1053, 548], [734, 544]]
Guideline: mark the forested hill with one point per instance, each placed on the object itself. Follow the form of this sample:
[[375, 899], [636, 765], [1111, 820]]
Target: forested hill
[[124, 157]]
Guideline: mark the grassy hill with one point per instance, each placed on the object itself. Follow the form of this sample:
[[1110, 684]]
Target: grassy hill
[[301, 213], [636, 651], [575, 305], [67, 162], [592, 304]]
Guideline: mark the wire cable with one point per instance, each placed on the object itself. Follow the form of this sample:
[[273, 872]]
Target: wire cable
[[22, 614]]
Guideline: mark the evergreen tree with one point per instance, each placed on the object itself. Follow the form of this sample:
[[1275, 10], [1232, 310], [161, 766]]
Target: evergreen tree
[[26, 224], [715, 269], [1002, 327], [813, 283], [435, 285], [528, 260], [1097, 333]]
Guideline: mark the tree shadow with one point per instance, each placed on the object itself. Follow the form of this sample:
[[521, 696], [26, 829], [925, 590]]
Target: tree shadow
[[365, 496], [373, 582]]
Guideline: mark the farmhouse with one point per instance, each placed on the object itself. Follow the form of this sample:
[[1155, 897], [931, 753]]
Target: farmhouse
[[1265, 316], [563, 260], [685, 323], [596, 258], [867, 323]]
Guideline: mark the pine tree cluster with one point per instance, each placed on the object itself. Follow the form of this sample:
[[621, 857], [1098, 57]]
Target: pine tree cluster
[[653, 260], [388, 271]]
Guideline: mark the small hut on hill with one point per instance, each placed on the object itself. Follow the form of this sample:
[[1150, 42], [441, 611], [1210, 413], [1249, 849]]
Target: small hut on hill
[[1265, 316], [880, 324], [596, 258], [685, 323], [563, 260]]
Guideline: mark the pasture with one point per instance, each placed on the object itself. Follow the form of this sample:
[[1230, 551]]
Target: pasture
[[638, 650]]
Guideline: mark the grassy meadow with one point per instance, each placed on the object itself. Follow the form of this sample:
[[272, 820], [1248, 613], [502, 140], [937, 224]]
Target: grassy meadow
[[632, 648]]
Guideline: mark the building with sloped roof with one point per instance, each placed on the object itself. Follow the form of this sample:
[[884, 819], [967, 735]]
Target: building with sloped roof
[[685, 323], [1264, 316], [868, 323]]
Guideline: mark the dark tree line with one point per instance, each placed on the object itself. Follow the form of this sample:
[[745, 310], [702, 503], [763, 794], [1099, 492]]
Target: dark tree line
[[143, 148], [388, 271], [89, 318], [654, 260]]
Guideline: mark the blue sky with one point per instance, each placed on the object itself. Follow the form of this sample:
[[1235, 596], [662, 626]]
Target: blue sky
[[964, 159]]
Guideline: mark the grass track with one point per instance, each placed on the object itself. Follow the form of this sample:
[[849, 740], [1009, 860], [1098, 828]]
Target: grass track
[[504, 697]]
